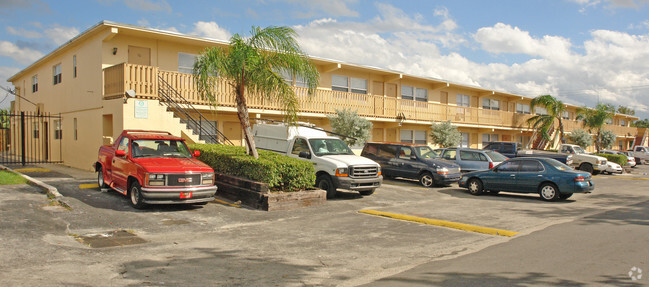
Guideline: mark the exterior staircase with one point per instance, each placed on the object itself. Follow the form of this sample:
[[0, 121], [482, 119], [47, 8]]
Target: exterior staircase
[[538, 142]]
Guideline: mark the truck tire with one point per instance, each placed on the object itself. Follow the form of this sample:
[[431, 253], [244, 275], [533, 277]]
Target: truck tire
[[135, 195], [367, 191], [324, 182], [100, 178], [587, 167]]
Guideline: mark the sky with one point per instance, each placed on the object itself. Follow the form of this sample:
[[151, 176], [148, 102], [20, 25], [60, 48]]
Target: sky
[[580, 51]]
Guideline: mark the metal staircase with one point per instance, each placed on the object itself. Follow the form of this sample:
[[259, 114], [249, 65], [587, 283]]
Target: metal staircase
[[190, 116]]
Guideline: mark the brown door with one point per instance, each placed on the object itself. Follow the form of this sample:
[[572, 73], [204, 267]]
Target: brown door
[[232, 131], [391, 135], [377, 135], [391, 90], [139, 55], [379, 102]]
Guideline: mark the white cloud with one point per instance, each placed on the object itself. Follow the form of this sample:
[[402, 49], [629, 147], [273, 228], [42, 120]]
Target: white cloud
[[23, 56], [502, 38], [334, 8], [5, 73], [24, 32], [59, 34], [149, 5], [210, 30]]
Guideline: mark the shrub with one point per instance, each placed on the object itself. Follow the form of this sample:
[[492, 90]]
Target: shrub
[[616, 158], [347, 122], [581, 138], [280, 172], [445, 134]]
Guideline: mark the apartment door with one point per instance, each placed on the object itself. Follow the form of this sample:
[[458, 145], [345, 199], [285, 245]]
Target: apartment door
[[377, 135], [391, 135], [232, 131], [139, 55], [379, 102]]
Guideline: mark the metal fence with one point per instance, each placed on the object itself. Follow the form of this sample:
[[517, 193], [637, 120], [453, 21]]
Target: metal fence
[[30, 138]]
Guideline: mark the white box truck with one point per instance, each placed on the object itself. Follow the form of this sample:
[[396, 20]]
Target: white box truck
[[335, 164]]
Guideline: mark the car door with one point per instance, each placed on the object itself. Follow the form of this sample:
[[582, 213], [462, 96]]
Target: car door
[[472, 160], [407, 163], [531, 174], [120, 165], [501, 178], [387, 154]]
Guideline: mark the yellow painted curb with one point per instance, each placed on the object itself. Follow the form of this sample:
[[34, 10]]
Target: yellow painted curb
[[227, 203], [32, 169], [636, 178], [88, 186], [443, 223]]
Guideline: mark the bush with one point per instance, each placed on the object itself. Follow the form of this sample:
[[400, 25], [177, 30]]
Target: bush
[[581, 138], [445, 134], [280, 172], [616, 158]]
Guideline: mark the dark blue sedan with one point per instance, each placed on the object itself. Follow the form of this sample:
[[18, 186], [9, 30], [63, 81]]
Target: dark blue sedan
[[551, 179]]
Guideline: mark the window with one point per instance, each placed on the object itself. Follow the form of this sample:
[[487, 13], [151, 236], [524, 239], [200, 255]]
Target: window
[[359, 86], [74, 66], [56, 71], [472, 156], [347, 84], [540, 111], [387, 151], [413, 136], [58, 132], [449, 154], [531, 166], [486, 138], [36, 130], [301, 82], [405, 152], [510, 166], [300, 146], [75, 129], [465, 140], [623, 123], [186, 63], [463, 101], [523, 109], [340, 83], [565, 115], [123, 145], [412, 93], [609, 121], [490, 104], [288, 79], [35, 84]]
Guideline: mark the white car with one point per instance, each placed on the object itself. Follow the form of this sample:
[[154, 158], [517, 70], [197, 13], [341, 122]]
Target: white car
[[612, 167]]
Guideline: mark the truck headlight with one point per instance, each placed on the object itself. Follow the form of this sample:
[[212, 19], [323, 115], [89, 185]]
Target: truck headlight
[[344, 172], [157, 179], [207, 178]]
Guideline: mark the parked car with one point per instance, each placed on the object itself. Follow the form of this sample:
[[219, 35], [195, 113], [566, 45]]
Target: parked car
[[417, 161], [612, 168], [514, 149], [472, 159], [641, 154], [630, 160], [551, 179]]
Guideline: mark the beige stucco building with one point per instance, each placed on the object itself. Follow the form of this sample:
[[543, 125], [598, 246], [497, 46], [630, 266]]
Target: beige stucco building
[[86, 81]]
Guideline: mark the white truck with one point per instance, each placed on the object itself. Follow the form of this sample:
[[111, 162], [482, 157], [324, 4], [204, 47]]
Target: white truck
[[641, 154], [583, 160], [335, 164]]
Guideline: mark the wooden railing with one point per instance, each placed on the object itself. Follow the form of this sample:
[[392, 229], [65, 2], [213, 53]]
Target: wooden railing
[[144, 81]]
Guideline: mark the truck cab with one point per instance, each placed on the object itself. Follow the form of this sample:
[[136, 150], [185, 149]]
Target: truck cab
[[583, 160]]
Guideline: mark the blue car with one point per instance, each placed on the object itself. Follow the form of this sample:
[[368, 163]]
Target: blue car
[[551, 179]]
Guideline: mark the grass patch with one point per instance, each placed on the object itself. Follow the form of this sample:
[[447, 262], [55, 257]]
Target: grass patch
[[7, 178]]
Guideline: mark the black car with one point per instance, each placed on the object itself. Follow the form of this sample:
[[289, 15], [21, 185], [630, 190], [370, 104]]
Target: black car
[[417, 161]]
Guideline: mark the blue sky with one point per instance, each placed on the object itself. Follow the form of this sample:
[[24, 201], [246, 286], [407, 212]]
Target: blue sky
[[580, 51]]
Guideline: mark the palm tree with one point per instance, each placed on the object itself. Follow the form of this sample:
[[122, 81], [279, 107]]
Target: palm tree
[[253, 67], [543, 123], [595, 119]]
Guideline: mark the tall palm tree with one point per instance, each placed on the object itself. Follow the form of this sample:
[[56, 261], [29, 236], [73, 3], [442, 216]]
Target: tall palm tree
[[253, 67], [595, 119], [543, 123]]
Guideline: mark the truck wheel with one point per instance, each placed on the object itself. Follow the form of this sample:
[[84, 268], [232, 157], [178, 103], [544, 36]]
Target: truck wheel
[[475, 186], [587, 167], [135, 194], [324, 182], [100, 178], [426, 179], [367, 191], [549, 192]]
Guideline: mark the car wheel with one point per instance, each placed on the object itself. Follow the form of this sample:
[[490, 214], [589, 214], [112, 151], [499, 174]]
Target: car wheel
[[426, 179], [324, 182], [565, 195], [100, 178], [475, 186], [549, 192], [587, 167], [135, 194], [367, 191]]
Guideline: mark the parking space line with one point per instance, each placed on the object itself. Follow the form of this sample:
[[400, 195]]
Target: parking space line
[[628, 177], [227, 203], [88, 186], [442, 223], [31, 169]]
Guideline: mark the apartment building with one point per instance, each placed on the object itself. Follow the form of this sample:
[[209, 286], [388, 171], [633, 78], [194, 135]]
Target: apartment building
[[116, 76]]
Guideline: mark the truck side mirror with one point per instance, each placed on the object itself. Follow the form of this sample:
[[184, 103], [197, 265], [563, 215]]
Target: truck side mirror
[[197, 153], [120, 153], [305, 154]]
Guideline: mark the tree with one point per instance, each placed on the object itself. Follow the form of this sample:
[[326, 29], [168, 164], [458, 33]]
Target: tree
[[445, 134], [347, 122], [595, 119], [641, 123], [543, 123], [581, 138], [252, 66], [607, 139], [625, 110]]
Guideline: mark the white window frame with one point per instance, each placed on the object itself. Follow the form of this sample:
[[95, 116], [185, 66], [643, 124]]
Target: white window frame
[[523, 108], [465, 142], [74, 66], [486, 138], [414, 93], [413, 136], [623, 123], [565, 115], [352, 85], [182, 68], [491, 104], [58, 132], [57, 74], [540, 111], [35, 84], [463, 100]]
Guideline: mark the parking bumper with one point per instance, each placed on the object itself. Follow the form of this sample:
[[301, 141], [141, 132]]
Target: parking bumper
[[173, 195], [357, 184]]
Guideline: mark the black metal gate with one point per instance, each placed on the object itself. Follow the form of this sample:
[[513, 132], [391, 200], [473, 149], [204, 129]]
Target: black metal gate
[[30, 138]]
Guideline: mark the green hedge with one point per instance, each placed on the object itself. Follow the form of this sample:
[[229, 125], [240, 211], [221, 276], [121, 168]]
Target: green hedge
[[616, 158], [279, 171]]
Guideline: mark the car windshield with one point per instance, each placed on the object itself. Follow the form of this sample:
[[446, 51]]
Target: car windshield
[[329, 147], [496, 156], [557, 164], [160, 148], [425, 152]]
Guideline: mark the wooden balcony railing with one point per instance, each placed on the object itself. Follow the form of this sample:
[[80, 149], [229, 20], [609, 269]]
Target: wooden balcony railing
[[144, 80]]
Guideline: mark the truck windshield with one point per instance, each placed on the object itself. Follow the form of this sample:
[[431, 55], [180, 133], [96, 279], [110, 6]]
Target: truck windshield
[[425, 152], [329, 147], [578, 150], [160, 148]]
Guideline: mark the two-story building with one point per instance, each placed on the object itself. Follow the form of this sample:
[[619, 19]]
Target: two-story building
[[116, 76]]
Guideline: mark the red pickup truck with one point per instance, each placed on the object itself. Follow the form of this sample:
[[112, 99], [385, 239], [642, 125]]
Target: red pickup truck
[[152, 167]]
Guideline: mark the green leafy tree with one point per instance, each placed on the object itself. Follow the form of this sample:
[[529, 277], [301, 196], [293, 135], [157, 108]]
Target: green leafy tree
[[607, 139], [625, 110], [581, 138], [445, 134], [595, 119], [544, 123], [641, 124], [251, 66], [4, 119], [347, 122]]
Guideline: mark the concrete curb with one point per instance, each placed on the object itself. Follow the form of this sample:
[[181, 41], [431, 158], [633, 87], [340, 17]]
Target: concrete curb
[[51, 191]]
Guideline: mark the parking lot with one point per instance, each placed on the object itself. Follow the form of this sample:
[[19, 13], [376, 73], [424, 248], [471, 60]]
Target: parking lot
[[225, 244]]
